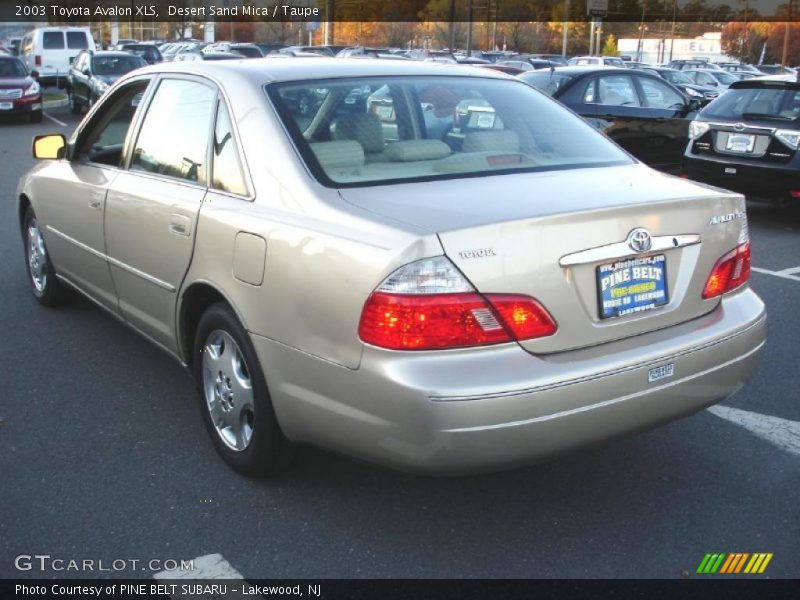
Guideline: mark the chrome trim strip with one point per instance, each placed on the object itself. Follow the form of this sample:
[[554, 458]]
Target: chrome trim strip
[[604, 374], [113, 261], [765, 130], [622, 249]]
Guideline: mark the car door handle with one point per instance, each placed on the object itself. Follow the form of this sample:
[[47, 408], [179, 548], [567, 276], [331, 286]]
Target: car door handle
[[180, 225]]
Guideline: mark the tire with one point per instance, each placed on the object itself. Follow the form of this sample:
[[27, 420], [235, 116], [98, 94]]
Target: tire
[[74, 106], [36, 116], [234, 398], [41, 275]]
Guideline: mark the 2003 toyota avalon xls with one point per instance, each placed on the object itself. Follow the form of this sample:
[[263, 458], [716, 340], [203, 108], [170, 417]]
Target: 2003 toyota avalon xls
[[366, 273]]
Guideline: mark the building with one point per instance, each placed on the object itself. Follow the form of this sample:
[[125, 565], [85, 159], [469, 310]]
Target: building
[[661, 50]]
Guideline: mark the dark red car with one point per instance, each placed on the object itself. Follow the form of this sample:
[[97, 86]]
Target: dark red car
[[20, 92]]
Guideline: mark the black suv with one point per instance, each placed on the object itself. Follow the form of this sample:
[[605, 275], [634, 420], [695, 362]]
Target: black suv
[[148, 52], [747, 140], [92, 73]]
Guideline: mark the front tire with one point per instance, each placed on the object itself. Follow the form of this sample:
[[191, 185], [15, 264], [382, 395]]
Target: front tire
[[234, 398], [36, 116], [41, 275]]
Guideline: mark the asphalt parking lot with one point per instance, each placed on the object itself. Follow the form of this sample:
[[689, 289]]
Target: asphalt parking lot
[[104, 456]]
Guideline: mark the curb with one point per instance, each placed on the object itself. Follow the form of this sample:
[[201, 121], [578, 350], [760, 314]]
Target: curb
[[56, 103]]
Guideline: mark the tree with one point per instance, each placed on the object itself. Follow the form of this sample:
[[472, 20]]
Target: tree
[[610, 46]]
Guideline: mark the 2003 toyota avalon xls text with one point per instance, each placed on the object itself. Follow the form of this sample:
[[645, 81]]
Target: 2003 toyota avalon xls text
[[377, 273]]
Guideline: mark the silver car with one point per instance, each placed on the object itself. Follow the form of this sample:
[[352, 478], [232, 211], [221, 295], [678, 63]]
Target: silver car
[[383, 280]]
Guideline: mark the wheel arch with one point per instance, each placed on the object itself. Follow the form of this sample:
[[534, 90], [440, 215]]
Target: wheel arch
[[22, 207], [194, 301]]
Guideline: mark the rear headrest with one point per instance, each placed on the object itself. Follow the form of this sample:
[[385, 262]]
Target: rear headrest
[[410, 150], [364, 128], [503, 140], [338, 155]]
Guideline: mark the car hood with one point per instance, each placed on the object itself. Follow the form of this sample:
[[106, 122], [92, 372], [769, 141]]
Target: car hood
[[15, 82]]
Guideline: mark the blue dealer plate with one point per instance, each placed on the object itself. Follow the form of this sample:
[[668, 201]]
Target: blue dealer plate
[[632, 285]]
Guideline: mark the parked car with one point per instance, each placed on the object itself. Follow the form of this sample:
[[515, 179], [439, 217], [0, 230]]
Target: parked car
[[747, 140], [245, 50], [93, 73], [692, 63], [711, 77], [20, 92], [148, 52], [683, 82], [733, 67], [200, 56], [51, 51], [267, 47], [519, 290], [609, 61], [295, 50], [13, 45], [776, 70], [640, 111], [553, 58]]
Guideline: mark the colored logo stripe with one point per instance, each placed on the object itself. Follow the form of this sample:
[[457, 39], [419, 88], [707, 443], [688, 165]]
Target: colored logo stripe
[[734, 562]]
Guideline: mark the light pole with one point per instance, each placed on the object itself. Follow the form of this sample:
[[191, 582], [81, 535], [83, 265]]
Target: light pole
[[786, 37], [566, 27]]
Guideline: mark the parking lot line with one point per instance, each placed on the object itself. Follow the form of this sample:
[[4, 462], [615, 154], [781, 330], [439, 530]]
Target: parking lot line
[[785, 274], [55, 120], [781, 432]]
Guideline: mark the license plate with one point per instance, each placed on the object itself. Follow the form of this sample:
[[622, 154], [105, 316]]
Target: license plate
[[661, 372], [6, 105], [740, 142], [632, 285]]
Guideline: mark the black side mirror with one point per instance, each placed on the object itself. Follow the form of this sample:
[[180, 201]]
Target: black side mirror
[[35, 75], [695, 104], [86, 71]]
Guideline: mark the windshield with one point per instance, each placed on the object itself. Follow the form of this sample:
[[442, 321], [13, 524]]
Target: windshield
[[780, 103], [12, 68], [724, 77], [374, 130], [676, 77], [115, 65]]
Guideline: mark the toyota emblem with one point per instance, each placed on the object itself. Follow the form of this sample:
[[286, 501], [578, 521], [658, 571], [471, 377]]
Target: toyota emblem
[[640, 240]]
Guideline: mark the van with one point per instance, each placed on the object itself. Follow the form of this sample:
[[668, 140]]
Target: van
[[50, 51]]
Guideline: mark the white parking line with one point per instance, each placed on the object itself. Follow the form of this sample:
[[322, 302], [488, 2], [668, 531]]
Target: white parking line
[[785, 274], [783, 433], [55, 120], [210, 566]]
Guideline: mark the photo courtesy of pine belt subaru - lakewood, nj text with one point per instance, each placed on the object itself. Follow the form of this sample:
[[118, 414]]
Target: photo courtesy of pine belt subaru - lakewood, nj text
[[343, 259]]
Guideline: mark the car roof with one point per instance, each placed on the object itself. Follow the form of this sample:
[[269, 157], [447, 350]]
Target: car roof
[[768, 81], [101, 53], [581, 69], [269, 69]]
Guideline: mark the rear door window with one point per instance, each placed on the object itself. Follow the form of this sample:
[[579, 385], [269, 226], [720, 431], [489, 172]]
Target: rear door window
[[617, 90], [76, 40], [53, 40]]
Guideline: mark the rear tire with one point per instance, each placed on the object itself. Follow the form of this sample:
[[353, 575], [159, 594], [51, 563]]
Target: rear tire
[[41, 276], [234, 398]]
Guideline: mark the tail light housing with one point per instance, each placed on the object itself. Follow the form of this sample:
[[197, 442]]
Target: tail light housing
[[730, 272], [430, 305], [37, 60]]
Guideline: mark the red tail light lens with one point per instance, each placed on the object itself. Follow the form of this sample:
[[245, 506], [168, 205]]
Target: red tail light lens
[[37, 60], [439, 321], [730, 272]]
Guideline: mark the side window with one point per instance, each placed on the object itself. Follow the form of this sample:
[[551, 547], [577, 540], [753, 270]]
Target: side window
[[173, 140], [227, 169], [105, 135], [660, 95], [76, 40], [53, 40], [616, 90], [590, 95]]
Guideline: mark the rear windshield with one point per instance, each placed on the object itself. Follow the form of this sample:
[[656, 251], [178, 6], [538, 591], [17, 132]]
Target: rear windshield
[[53, 40], [115, 65], [373, 130], [780, 104], [76, 40], [545, 80]]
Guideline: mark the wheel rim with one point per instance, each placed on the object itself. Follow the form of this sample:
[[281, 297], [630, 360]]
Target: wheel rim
[[37, 257], [228, 390]]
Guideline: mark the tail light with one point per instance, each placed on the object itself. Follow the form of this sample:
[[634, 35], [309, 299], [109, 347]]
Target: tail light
[[429, 305], [37, 60], [730, 272]]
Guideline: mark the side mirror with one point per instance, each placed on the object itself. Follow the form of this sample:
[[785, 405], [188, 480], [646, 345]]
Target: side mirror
[[35, 75], [86, 71], [695, 104], [49, 147]]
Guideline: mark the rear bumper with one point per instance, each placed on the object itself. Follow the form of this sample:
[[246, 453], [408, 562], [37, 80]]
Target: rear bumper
[[767, 181], [492, 408]]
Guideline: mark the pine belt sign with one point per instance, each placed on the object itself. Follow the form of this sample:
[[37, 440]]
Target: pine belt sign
[[597, 8]]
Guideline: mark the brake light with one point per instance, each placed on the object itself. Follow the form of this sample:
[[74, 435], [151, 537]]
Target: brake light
[[37, 60], [429, 305], [730, 272]]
